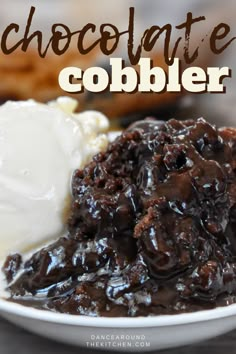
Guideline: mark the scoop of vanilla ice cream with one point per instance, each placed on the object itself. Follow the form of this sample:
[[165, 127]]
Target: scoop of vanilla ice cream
[[40, 147]]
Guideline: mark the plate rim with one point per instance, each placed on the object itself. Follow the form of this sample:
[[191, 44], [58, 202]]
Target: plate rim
[[19, 310]]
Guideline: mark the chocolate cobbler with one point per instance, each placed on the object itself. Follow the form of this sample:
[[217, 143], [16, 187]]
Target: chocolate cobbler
[[152, 228]]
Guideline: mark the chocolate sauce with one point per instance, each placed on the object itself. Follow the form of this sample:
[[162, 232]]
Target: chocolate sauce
[[151, 229]]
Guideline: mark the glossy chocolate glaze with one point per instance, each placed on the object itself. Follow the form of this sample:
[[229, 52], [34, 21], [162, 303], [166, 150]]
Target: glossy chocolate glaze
[[151, 229]]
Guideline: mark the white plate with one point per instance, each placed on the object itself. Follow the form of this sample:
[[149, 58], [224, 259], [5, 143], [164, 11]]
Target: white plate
[[123, 334]]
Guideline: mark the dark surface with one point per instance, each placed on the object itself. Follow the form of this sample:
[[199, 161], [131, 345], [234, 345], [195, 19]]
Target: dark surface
[[14, 340]]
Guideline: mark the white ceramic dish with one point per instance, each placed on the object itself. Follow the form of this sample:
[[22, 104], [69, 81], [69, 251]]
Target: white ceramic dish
[[123, 334]]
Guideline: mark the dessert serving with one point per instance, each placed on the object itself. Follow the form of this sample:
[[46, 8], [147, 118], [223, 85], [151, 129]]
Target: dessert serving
[[151, 228]]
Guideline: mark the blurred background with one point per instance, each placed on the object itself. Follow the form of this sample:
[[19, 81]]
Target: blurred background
[[25, 75]]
